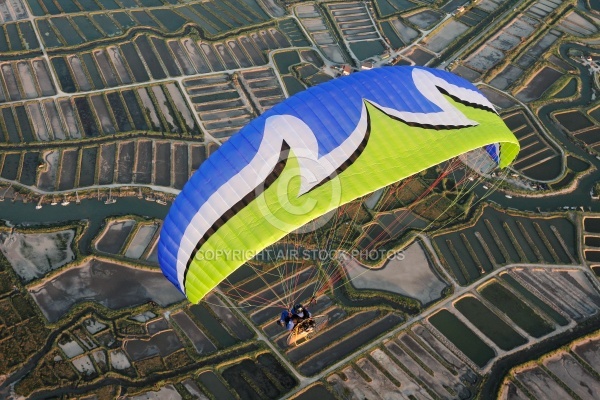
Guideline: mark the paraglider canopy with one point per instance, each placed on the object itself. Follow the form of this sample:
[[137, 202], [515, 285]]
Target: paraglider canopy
[[315, 151]]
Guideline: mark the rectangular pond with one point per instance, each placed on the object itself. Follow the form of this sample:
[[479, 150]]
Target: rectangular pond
[[140, 241], [519, 312], [462, 337]]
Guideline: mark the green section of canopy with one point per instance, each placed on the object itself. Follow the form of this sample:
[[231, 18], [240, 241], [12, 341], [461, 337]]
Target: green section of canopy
[[394, 151]]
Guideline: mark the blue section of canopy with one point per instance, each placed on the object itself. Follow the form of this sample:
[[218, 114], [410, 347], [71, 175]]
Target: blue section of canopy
[[332, 110], [492, 150]]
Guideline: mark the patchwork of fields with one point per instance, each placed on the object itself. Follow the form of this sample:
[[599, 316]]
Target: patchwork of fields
[[130, 97]]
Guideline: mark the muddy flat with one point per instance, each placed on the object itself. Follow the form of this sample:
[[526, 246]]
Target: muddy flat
[[540, 384], [566, 368], [95, 281], [33, 255], [589, 351], [408, 274]]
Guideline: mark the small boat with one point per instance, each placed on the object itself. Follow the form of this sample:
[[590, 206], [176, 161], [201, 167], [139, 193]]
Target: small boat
[[508, 196], [485, 187], [149, 198], [110, 199], [161, 202], [4, 194], [65, 203], [38, 206]]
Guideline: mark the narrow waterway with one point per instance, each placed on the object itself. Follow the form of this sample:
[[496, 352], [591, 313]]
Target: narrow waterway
[[91, 210], [96, 211], [581, 196]]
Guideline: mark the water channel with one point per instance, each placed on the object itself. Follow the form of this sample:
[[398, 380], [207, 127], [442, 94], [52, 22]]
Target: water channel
[[581, 196], [91, 210], [96, 211]]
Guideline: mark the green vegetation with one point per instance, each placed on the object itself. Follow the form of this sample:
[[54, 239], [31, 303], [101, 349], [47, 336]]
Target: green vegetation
[[5, 285], [522, 315], [437, 207], [51, 370], [128, 327], [177, 360], [462, 337], [410, 191], [149, 366], [22, 331], [489, 323], [23, 307]]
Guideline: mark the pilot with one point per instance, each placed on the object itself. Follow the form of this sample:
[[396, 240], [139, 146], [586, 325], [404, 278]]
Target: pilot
[[289, 318]]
